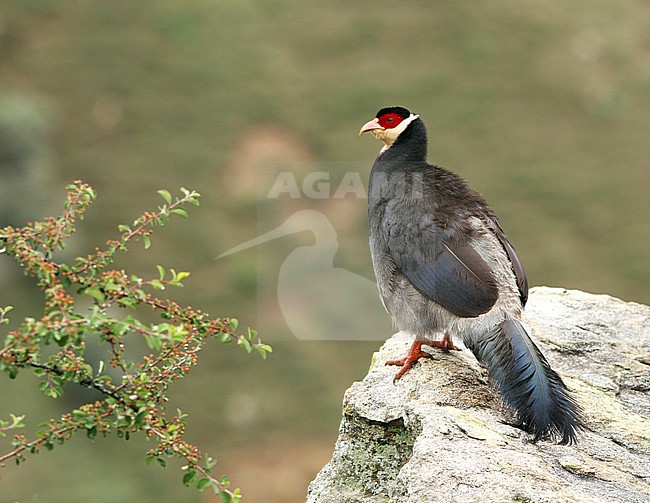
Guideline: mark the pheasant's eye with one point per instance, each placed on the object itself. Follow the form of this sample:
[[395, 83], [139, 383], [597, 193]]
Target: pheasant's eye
[[391, 120]]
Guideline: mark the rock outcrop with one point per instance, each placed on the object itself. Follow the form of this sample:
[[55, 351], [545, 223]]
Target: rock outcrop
[[441, 434]]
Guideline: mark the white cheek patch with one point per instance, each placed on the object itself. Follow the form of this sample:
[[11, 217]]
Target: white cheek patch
[[388, 136]]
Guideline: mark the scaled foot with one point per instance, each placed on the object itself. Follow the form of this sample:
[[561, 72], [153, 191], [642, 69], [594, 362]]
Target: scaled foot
[[445, 343], [416, 352]]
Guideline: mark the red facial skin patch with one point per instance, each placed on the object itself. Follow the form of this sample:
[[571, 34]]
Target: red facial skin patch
[[389, 121]]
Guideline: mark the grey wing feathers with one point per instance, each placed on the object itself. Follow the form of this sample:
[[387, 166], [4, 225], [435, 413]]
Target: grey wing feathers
[[451, 274], [517, 267]]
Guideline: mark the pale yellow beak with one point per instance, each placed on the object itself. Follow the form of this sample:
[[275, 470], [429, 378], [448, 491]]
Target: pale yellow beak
[[369, 126]]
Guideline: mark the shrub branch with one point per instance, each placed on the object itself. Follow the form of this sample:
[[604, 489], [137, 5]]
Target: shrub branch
[[136, 404]]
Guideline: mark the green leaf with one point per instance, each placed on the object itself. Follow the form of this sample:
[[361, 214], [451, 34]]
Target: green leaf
[[157, 284], [210, 462], [123, 228], [180, 212], [95, 293], [181, 276], [246, 344], [203, 483], [138, 420], [161, 271], [12, 371], [166, 195], [3, 312], [189, 477], [234, 323], [147, 241], [127, 302], [263, 350], [153, 341], [111, 286], [265, 347]]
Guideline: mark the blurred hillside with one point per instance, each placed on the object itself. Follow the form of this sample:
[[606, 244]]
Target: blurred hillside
[[542, 105]]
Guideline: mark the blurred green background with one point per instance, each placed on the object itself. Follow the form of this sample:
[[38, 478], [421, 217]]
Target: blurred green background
[[542, 105]]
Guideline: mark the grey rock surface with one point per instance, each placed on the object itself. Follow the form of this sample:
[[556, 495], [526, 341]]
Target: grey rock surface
[[441, 434]]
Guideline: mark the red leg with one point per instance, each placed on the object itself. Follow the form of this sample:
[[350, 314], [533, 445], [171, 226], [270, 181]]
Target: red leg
[[415, 353], [445, 343]]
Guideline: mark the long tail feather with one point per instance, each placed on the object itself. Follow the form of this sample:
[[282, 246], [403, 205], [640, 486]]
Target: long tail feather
[[527, 382]]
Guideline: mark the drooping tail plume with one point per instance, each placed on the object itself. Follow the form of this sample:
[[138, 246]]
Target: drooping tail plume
[[527, 383]]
